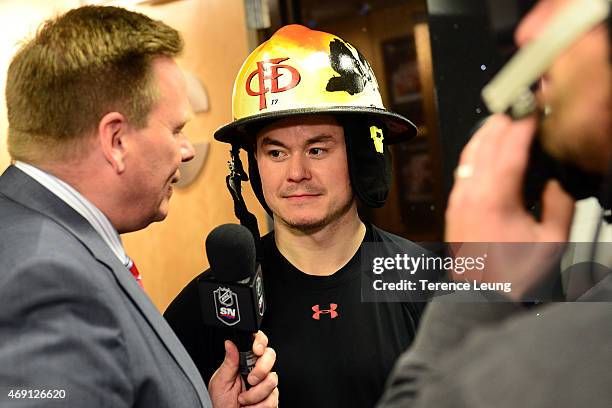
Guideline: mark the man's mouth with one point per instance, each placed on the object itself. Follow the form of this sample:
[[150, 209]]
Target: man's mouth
[[301, 197], [176, 177]]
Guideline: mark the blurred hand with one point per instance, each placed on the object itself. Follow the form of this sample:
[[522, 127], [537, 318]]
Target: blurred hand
[[486, 203], [226, 388]]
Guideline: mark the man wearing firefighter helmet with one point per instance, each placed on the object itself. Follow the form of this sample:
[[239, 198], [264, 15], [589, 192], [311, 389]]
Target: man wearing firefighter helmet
[[308, 112]]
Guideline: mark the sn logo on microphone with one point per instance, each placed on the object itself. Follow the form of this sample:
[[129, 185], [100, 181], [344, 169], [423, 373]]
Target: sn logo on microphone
[[226, 304], [227, 312]]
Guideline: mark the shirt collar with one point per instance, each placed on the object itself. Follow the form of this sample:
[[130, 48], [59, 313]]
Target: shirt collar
[[81, 205]]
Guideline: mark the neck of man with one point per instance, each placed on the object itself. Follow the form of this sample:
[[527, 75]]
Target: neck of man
[[89, 177], [324, 251]]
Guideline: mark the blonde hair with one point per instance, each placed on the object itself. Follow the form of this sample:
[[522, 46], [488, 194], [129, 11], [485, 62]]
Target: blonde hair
[[80, 66]]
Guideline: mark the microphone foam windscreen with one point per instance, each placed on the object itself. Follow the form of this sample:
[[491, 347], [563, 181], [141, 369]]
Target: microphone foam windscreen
[[231, 253]]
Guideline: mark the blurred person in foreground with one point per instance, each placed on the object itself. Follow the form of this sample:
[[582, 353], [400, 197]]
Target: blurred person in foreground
[[497, 354]]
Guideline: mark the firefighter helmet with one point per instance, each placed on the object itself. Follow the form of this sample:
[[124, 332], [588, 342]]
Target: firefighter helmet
[[301, 71]]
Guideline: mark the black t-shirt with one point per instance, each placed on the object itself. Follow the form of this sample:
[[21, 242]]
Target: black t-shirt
[[333, 350]]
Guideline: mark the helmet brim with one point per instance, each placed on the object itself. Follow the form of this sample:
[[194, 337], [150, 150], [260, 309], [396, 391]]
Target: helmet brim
[[399, 129]]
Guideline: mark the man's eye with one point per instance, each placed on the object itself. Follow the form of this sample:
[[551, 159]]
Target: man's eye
[[275, 154], [317, 151]]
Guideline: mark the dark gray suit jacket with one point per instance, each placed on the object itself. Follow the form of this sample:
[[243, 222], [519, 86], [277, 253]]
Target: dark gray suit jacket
[[73, 318], [501, 355]]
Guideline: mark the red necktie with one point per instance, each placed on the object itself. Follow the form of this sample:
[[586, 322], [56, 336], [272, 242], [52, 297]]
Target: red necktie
[[136, 274]]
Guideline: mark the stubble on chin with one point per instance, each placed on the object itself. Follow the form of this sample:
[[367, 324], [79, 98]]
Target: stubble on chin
[[313, 225]]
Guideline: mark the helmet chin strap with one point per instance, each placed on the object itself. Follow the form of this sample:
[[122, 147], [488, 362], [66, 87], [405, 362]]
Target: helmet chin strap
[[234, 184]]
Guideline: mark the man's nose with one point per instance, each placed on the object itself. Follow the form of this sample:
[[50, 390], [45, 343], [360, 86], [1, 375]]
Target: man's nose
[[187, 150], [299, 168]]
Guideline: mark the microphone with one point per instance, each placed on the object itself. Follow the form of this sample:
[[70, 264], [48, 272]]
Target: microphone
[[232, 293]]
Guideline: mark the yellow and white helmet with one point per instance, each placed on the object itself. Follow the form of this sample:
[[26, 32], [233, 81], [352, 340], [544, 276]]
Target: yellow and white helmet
[[302, 71]]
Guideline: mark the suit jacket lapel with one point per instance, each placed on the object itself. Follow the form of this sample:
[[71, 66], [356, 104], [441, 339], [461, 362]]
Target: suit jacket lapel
[[21, 188]]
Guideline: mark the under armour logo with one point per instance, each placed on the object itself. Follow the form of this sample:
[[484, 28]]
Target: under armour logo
[[318, 312], [271, 70]]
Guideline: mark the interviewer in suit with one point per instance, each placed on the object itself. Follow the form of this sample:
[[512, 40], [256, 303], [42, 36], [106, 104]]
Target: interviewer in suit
[[96, 105]]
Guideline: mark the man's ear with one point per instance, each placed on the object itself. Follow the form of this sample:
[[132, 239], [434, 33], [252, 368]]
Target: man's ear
[[112, 132]]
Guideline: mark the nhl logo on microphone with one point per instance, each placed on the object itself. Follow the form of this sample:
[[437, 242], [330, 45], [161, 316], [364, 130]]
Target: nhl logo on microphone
[[239, 305], [226, 305]]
